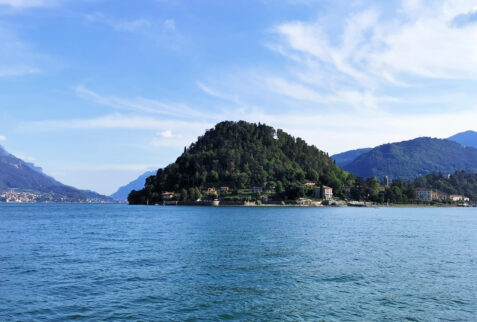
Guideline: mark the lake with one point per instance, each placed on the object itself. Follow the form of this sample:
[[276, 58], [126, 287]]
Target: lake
[[119, 262]]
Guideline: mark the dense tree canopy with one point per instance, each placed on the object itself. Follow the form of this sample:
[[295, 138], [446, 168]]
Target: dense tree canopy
[[243, 155]]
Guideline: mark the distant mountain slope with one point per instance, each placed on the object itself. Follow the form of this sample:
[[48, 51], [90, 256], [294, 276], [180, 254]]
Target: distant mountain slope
[[137, 184], [468, 138], [19, 175], [345, 158], [414, 158]]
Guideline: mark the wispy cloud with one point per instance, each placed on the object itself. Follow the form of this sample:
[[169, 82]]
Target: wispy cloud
[[133, 25], [26, 3], [17, 71], [215, 93], [371, 50], [16, 57], [108, 167], [3, 138], [117, 24], [140, 104], [169, 24], [114, 121]]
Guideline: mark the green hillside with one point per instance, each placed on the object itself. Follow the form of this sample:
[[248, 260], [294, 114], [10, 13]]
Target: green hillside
[[243, 155], [414, 158]]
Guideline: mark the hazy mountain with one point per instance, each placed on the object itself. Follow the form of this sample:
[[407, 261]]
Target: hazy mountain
[[414, 158], [345, 158], [17, 175], [137, 184], [468, 138]]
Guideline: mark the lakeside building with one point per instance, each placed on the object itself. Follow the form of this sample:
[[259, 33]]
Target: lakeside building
[[168, 195], [458, 198], [224, 189], [257, 189], [326, 194], [310, 184], [211, 191], [426, 194]]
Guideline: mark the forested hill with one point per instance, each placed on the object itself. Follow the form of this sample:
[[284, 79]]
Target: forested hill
[[242, 155], [414, 158]]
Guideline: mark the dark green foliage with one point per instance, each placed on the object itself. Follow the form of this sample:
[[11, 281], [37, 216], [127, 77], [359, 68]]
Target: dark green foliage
[[460, 183], [242, 155], [412, 159], [401, 191]]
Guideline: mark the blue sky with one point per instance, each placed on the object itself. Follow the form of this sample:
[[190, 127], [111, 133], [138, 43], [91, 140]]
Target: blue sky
[[98, 91]]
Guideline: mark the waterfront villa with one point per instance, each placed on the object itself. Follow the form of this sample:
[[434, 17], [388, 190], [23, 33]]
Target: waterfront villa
[[326, 195], [211, 191], [167, 195]]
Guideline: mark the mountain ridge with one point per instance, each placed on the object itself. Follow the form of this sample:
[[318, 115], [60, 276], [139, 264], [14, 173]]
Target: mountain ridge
[[21, 178], [414, 158], [136, 184], [467, 138], [346, 157]]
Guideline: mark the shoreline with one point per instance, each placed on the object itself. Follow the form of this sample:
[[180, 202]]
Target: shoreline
[[336, 204]]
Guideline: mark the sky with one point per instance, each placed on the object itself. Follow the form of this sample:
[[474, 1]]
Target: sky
[[96, 92]]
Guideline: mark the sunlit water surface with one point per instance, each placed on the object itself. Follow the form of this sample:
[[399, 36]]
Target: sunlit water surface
[[119, 262]]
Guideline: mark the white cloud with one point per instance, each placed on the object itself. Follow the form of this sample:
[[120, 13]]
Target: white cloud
[[371, 50], [167, 134], [3, 138], [169, 139]]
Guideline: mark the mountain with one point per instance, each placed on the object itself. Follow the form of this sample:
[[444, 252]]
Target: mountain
[[345, 158], [414, 158], [137, 184], [242, 156], [24, 181], [468, 138]]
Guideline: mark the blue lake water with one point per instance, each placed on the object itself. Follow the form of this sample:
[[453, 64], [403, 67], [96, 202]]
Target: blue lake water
[[119, 262]]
